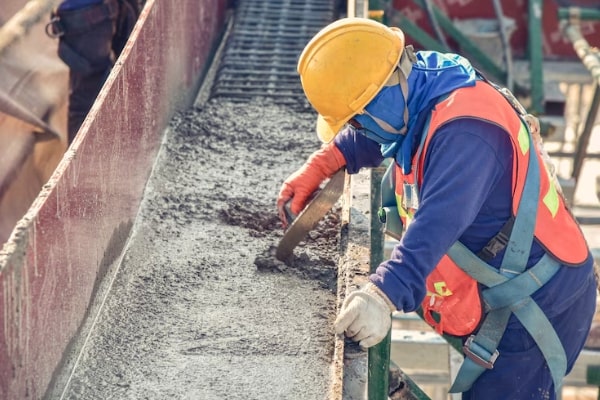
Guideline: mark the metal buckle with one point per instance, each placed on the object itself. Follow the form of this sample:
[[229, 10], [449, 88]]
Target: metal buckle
[[382, 215], [476, 358], [54, 28]]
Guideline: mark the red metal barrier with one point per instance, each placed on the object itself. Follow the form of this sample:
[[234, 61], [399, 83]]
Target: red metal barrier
[[78, 225]]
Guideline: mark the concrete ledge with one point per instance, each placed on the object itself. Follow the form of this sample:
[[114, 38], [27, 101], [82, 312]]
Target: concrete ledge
[[353, 270]]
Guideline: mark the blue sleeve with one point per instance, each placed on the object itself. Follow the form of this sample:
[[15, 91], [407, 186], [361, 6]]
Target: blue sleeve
[[465, 193], [358, 150], [76, 4]]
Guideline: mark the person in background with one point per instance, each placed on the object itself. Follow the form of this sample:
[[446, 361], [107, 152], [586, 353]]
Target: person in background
[[92, 34], [488, 250]]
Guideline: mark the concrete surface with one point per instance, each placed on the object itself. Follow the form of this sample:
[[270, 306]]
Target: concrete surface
[[199, 308]]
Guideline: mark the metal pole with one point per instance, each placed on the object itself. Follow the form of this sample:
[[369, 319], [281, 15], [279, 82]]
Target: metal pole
[[590, 57], [505, 43], [379, 355], [584, 13], [584, 138], [534, 42]]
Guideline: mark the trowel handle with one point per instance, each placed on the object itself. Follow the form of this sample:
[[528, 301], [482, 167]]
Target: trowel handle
[[289, 215]]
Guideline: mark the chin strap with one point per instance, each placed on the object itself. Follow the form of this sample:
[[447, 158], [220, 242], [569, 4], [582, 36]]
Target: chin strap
[[399, 77]]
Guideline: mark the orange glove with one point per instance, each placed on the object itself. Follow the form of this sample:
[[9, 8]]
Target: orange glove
[[299, 186]]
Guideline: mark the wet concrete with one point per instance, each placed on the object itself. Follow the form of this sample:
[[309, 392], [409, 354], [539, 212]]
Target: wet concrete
[[199, 308]]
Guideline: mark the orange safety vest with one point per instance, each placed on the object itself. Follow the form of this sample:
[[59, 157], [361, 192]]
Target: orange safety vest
[[452, 304]]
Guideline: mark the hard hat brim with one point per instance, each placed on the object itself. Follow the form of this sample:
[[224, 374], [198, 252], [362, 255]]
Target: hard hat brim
[[326, 132]]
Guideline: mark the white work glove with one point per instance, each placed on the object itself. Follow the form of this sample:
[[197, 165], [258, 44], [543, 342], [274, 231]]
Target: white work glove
[[366, 316]]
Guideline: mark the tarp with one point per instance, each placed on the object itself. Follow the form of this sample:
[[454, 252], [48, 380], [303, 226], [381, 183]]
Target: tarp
[[35, 79]]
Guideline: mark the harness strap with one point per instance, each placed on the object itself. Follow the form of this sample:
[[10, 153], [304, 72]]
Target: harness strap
[[498, 242], [505, 296], [509, 290], [541, 330], [522, 286], [77, 21]]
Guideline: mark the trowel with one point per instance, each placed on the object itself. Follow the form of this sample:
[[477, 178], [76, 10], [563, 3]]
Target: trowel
[[300, 225]]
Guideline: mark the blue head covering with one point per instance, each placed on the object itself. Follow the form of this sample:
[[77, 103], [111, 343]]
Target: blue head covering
[[433, 75]]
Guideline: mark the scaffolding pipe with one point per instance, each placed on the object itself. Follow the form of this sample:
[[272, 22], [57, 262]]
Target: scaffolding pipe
[[584, 13], [434, 24], [19, 25], [589, 56], [508, 59], [584, 138], [570, 22]]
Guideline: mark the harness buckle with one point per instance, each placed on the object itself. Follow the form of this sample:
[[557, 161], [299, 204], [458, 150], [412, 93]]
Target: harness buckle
[[474, 352], [54, 28], [382, 215]]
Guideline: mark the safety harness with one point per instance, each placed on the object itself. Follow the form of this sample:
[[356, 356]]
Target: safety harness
[[506, 290]]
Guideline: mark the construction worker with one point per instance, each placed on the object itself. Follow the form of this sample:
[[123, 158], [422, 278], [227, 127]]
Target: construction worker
[[488, 248], [92, 34]]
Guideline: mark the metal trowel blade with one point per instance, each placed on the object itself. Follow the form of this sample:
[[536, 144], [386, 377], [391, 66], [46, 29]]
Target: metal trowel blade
[[311, 215]]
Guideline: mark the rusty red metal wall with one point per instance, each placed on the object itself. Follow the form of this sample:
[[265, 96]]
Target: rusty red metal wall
[[78, 226], [554, 44]]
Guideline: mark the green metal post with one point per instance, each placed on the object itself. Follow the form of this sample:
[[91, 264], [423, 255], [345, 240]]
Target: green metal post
[[534, 43], [377, 234], [582, 13], [593, 376], [378, 373], [379, 355]]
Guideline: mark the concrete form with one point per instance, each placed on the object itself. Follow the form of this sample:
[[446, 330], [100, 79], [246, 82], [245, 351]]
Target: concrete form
[[76, 228]]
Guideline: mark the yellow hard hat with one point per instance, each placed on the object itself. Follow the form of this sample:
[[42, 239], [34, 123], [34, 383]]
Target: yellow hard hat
[[344, 66]]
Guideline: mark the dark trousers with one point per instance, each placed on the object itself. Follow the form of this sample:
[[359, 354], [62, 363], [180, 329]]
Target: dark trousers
[[90, 40]]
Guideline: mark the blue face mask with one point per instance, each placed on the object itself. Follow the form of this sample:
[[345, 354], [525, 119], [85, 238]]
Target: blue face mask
[[388, 107], [383, 119]]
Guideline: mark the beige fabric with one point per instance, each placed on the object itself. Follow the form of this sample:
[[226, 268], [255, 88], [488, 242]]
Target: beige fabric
[[34, 77], [366, 316]]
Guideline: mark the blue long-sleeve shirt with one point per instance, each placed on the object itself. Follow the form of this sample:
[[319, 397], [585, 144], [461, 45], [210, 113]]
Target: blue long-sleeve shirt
[[466, 195]]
